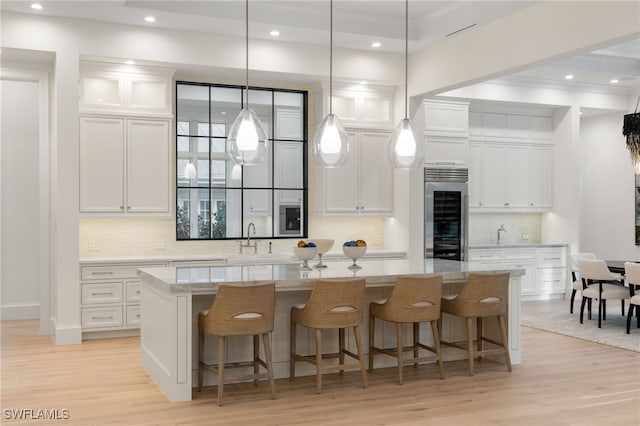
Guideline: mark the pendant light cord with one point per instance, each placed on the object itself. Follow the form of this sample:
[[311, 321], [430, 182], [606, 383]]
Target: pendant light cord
[[246, 15], [331, 57], [406, 57]]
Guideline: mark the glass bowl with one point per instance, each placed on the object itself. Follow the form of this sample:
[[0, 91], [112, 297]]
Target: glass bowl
[[305, 254], [354, 253]]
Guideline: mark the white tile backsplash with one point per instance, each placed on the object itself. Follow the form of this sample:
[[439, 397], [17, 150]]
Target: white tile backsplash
[[483, 228]]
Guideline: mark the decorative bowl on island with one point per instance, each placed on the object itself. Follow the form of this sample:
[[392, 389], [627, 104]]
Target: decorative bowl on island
[[354, 250], [324, 245], [305, 254]]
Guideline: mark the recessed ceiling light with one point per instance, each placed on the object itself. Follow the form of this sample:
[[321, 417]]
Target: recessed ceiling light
[[363, 82], [568, 77], [376, 44], [614, 81], [274, 33], [149, 19], [129, 62], [36, 6]]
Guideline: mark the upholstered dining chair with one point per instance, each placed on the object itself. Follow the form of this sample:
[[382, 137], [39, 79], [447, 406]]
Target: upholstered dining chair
[[238, 311], [577, 283], [483, 295], [413, 300], [596, 270], [333, 304], [632, 276]]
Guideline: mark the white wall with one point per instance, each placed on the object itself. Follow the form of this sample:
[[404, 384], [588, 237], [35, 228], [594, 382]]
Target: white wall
[[607, 205], [20, 199]]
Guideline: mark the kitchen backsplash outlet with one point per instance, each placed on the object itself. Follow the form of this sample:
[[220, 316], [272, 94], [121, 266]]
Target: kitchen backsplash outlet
[[521, 228]]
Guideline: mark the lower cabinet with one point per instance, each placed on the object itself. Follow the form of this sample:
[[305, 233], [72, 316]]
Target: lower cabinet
[[545, 267], [110, 295]]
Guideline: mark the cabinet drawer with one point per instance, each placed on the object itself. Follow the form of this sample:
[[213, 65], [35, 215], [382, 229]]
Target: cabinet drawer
[[486, 255], [551, 258], [109, 272], [107, 292], [133, 316], [109, 316], [133, 291], [517, 254], [550, 280]]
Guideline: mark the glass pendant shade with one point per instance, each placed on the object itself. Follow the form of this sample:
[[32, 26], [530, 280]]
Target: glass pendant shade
[[236, 172], [403, 150], [190, 171], [249, 143], [330, 145]]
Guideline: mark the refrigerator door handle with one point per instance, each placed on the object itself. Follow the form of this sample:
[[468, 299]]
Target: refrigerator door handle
[[464, 237]]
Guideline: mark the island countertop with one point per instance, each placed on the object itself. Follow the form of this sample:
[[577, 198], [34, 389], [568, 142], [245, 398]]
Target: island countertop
[[291, 277]]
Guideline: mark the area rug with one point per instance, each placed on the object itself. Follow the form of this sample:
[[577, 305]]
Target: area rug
[[554, 316]]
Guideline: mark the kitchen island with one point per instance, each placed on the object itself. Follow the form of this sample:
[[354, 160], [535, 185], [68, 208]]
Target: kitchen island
[[172, 297]]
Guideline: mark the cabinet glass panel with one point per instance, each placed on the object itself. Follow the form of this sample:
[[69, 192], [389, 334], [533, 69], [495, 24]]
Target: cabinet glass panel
[[216, 198]]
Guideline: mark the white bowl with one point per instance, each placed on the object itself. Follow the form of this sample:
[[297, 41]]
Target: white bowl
[[324, 245], [354, 252], [305, 253]]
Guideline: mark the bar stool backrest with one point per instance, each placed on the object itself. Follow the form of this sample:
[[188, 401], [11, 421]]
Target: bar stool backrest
[[594, 269], [415, 299], [632, 272], [241, 310], [335, 304], [484, 294]]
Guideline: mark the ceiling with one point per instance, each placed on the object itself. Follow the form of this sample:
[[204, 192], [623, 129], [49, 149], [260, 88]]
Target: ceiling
[[356, 25]]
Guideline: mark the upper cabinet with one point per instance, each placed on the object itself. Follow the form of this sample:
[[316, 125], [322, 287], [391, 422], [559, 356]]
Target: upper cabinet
[[125, 90], [358, 105], [510, 126], [446, 133]]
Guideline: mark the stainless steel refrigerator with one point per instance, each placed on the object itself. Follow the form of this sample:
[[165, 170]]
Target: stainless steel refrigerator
[[446, 211]]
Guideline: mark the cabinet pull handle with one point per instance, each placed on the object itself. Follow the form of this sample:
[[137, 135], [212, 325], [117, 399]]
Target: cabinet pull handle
[[137, 291], [357, 208], [531, 204], [551, 258], [138, 316], [486, 255], [128, 207], [361, 207], [506, 204], [102, 273], [121, 207], [103, 293], [551, 281], [102, 318]]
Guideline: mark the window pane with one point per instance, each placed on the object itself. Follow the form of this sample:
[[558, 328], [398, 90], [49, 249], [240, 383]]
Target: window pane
[[288, 120], [226, 103], [193, 106], [260, 103], [193, 214]]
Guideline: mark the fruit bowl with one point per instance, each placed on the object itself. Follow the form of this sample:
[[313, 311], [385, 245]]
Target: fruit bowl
[[354, 253], [305, 254], [324, 245]]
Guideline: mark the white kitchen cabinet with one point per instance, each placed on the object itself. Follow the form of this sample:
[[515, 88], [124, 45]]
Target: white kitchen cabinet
[[475, 174], [110, 296], [446, 151], [359, 106], [521, 126], [364, 185], [446, 118], [541, 176], [288, 172], [288, 124], [139, 91], [124, 165]]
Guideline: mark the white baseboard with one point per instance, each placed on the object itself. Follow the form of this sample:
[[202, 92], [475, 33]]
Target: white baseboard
[[21, 311], [68, 334]]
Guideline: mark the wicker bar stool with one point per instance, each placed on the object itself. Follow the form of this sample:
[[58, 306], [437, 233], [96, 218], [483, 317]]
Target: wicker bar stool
[[483, 295], [239, 311], [332, 304], [412, 300]]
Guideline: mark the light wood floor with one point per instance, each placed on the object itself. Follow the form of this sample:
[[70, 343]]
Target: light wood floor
[[562, 381]]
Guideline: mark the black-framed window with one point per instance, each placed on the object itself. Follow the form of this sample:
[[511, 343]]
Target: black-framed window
[[217, 199]]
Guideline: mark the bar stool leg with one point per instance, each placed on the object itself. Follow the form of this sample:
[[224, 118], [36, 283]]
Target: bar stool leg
[[220, 369], [505, 342], [256, 356], [399, 350], [292, 351], [318, 360], [363, 370], [436, 345], [479, 329], [267, 355], [372, 333], [416, 339], [470, 344], [341, 349]]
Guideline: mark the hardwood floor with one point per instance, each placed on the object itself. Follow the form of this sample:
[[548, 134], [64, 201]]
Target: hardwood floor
[[561, 381]]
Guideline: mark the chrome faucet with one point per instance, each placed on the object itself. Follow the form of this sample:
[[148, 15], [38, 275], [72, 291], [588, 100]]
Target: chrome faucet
[[248, 244], [499, 230]]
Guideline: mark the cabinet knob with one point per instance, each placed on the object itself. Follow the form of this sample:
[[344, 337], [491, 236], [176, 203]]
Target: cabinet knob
[[357, 208], [506, 204], [531, 204], [361, 207], [121, 207]]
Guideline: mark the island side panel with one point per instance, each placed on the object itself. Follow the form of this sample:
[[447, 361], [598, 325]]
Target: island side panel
[[165, 340]]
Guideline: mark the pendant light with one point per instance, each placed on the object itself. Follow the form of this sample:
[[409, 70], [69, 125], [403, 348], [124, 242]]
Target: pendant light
[[330, 145], [403, 150], [249, 143], [631, 130]]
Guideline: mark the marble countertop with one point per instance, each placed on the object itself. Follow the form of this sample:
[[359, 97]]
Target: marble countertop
[[291, 277], [516, 245]]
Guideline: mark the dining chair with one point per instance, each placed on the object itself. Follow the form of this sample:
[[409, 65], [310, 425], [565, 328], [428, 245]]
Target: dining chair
[[596, 270], [412, 300], [238, 311], [632, 276], [577, 282]]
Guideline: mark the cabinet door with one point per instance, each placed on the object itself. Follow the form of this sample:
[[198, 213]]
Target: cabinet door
[[475, 175], [102, 165], [528, 281], [445, 151], [340, 187], [147, 166], [541, 176], [494, 175], [288, 165], [517, 190], [375, 174]]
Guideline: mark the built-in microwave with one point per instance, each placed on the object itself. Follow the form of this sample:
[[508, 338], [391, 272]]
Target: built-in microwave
[[290, 220]]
